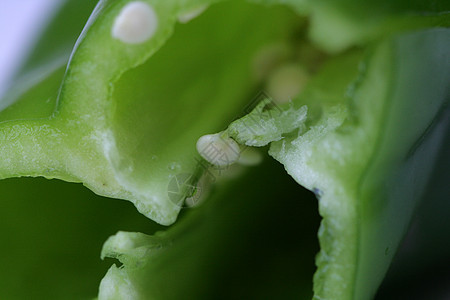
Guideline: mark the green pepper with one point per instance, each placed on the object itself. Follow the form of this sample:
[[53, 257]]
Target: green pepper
[[369, 91]]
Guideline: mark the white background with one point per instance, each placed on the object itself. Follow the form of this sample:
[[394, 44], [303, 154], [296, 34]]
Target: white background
[[21, 22]]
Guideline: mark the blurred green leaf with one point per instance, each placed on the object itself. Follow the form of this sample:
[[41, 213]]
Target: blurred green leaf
[[52, 234]]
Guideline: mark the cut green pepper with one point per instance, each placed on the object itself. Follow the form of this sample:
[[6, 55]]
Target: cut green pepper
[[362, 134]]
